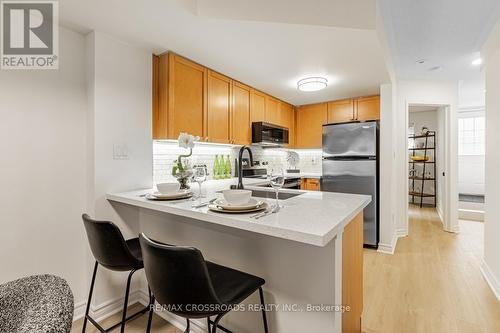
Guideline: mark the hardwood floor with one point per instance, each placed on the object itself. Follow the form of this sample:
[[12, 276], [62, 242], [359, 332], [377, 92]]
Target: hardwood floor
[[432, 283], [137, 325]]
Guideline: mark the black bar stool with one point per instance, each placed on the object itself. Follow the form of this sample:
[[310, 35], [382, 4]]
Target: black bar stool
[[190, 287], [112, 251]]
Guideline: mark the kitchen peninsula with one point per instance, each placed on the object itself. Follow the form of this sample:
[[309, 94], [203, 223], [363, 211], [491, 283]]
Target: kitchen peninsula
[[309, 253]]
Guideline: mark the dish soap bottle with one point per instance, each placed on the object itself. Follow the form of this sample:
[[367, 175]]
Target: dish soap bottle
[[216, 167], [227, 167]]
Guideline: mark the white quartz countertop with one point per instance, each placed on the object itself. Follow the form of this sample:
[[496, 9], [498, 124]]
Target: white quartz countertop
[[312, 218]]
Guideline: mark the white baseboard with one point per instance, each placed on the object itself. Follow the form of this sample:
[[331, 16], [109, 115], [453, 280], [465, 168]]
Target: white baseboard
[[470, 214], [490, 279], [106, 309], [79, 311], [388, 248], [402, 232]]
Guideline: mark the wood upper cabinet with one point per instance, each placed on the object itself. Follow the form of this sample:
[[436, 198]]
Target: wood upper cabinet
[[310, 120], [368, 108], [341, 111], [241, 128], [219, 108], [287, 119], [273, 112], [257, 106], [187, 97]]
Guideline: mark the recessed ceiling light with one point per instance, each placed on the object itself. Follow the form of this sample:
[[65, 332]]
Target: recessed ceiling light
[[312, 84], [421, 61], [435, 68], [477, 62]]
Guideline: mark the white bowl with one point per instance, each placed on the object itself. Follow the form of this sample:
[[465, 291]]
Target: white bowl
[[168, 188], [237, 197]]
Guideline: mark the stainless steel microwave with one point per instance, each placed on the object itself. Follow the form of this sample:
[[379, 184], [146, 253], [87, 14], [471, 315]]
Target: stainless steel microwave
[[266, 134]]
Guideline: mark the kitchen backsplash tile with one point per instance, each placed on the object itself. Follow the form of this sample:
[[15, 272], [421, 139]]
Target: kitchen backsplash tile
[[165, 152]]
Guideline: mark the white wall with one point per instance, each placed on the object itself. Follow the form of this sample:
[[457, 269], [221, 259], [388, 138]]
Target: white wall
[[491, 267], [388, 235], [429, 93], [43, 178], [119, 80]]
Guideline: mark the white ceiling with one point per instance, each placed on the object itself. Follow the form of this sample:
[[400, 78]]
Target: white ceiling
[[446, 33], [290, 40]]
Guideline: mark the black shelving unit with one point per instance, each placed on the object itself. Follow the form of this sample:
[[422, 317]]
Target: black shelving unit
[[423, 179]]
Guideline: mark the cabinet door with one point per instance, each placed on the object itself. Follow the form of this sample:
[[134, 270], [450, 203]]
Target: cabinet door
[[313, 184], [219, 107], [341, 111], [273, 112], [257, 106], [159, 127], [352, 274], [187, 91], [287, 120], [310, 120], [368, 108], [241, 130]]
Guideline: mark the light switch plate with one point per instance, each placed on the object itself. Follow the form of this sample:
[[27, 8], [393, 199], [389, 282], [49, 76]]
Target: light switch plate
[[120, 152]]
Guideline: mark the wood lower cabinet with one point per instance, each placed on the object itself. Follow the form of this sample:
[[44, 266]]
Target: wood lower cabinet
[[310, 184], [219, 108], [368, 108], [310, 119], [341, 111], [241, 129], [352, 275]]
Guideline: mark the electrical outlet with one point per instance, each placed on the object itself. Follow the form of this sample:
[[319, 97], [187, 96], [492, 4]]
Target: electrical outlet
[[120, 152]]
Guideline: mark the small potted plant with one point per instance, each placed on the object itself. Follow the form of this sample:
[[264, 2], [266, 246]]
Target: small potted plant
[[181, 169]]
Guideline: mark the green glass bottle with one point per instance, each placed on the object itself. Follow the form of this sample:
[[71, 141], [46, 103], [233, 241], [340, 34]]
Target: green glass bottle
[[216, 167], [221, 167], [227, 170]]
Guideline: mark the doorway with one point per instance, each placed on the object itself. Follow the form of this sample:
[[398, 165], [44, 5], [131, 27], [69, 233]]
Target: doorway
[[428, 160]]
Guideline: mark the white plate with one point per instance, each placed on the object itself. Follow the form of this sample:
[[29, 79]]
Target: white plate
[[174, 196], [227, 206], [219, 209]]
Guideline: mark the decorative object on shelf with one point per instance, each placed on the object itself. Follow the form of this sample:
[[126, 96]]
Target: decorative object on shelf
[[418, 158], [422, 167], [293, 159], [182, 168]]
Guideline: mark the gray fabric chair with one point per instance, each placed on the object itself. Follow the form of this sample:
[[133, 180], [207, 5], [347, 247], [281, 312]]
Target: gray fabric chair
[[39, 303]]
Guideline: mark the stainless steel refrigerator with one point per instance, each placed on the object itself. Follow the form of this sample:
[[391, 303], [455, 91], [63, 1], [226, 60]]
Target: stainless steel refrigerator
[[350, 165]]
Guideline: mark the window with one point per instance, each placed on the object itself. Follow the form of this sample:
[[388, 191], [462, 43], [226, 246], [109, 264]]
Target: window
[[471, 136]]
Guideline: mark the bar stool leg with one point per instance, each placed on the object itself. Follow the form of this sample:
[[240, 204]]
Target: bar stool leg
[[188, 326], [264, 319], [90, 298], [208, 324], [150, 315], [125, 303], [216, 322]]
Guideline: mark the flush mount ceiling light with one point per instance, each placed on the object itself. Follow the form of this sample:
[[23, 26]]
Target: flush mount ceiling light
[[477, 62], [312, 84]]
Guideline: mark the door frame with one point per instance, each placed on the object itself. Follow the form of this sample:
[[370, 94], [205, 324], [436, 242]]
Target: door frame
[[450, 196]]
